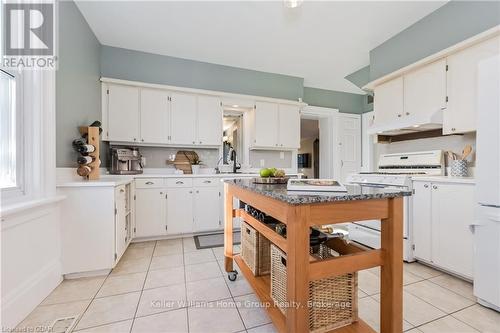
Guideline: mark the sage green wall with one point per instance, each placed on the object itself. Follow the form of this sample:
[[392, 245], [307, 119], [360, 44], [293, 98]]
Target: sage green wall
[[345, 102], [360, 77], [78, 94], [152, 68], [446, 26]]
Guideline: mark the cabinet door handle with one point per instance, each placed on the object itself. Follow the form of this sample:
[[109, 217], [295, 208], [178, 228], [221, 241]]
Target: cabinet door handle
[[190, 191], [194, 142], [197, 191], [407, 113], [207, 181], [426, 186], [179, 182], [201, 142], [399, 115], [434, 187], [149, 183], [122, 190]]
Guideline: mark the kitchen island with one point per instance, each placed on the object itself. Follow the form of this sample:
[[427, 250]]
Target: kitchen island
[[299, 212]]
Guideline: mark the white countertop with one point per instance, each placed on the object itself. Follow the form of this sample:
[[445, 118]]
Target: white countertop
[[117, 180], [444, 179]]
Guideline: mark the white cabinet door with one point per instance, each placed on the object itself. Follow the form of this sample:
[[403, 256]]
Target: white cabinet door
[[421, 221], [123, 113], [155, 116], [425, 90], [206, 209], [460, 115], [150, 212], [349, 144], [452, 213], [121, 234], [266, 125], [289, 126], [183, 119], [179, 210], [388, 102], [209, 121]]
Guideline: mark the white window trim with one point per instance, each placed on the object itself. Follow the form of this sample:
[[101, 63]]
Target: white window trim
[[36, 91], [17, 191]]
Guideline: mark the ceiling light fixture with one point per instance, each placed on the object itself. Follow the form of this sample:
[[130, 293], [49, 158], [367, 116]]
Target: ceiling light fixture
[[293, 3]]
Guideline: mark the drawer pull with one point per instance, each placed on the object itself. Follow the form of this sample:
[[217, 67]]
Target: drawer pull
[[179, 182], [207, 181], [149, 183], [122, 190]]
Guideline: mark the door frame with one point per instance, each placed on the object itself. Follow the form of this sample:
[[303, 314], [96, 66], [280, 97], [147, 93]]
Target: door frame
[[327, 119]]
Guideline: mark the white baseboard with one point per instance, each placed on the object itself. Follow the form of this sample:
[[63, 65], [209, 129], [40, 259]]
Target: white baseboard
[[22, 300], [101, 272]]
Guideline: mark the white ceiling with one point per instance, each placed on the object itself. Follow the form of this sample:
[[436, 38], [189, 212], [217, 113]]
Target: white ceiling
[[321, 41]]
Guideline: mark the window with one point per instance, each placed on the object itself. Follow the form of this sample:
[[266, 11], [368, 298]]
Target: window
[[10, 136]]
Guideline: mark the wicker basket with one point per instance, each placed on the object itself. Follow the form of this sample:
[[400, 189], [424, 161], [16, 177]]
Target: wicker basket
[[255, 250], [333, 301]]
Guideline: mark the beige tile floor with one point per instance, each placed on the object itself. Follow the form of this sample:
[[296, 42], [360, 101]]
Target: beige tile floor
[[169, 286]]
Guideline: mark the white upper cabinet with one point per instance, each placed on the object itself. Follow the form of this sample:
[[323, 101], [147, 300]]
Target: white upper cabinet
[[209, 121], [183, 118], [123, 113], [388, 102], [265, 124], [289, 126], [275, 126], [425, 90], [460, 116], [155, 116]]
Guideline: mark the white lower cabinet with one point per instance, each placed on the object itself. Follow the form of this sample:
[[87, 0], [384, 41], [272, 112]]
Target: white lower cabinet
[[97, 226], [442, 216], [150, 210], [206, 209], [179, 215]]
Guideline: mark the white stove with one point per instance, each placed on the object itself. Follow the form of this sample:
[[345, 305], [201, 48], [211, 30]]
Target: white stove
[[395, 171]]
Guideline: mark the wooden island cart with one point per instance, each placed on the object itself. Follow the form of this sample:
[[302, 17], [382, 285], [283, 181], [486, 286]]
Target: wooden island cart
[[299, 213]]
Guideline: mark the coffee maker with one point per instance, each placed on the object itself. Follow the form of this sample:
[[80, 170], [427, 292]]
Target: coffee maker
[[125, 161]]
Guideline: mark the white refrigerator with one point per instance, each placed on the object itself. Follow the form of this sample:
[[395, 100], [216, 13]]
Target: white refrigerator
[[487, 223]]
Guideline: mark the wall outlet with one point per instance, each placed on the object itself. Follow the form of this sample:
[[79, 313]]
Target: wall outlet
[[262, 163], [282, 155]]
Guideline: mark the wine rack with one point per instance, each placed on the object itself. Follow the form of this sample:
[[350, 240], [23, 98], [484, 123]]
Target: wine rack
[[92, 139]]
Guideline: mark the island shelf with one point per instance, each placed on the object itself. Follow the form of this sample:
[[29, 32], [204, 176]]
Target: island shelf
[[299, 213]]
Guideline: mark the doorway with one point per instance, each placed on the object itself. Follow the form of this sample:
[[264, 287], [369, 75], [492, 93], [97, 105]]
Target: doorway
[[308, 154]]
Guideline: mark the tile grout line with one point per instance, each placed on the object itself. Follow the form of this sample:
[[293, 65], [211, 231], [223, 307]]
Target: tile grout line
[[185, 282], [448, 315], [142, 289]]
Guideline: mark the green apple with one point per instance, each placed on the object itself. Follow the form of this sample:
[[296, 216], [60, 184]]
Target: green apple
[[264, 173]]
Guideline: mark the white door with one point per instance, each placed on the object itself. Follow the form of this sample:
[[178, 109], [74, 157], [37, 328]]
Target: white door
[[155, 116], [266, 125], [289, 126], [207, 209], [123, 113], [183, 119], [452, 239], [421, 221], [150, 212], [179, 210], [209, 121], [349, 144], [460, 115], [425, 90], [121, 237], [388, 102]]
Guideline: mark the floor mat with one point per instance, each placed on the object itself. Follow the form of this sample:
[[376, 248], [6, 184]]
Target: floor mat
[[214, 240]]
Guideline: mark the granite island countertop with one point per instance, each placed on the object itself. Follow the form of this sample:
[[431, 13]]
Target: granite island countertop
[[354, 192]]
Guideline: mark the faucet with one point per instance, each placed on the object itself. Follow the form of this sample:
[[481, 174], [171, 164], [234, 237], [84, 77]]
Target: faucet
[[236, 166]]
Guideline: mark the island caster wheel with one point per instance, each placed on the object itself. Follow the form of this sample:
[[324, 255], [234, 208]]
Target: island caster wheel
[[232, 275]]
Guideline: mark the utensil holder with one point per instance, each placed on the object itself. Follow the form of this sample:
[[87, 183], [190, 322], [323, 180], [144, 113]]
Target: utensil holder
[[459, 168]]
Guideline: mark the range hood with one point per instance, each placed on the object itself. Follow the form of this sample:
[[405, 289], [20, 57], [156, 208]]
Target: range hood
[[409, 124]]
